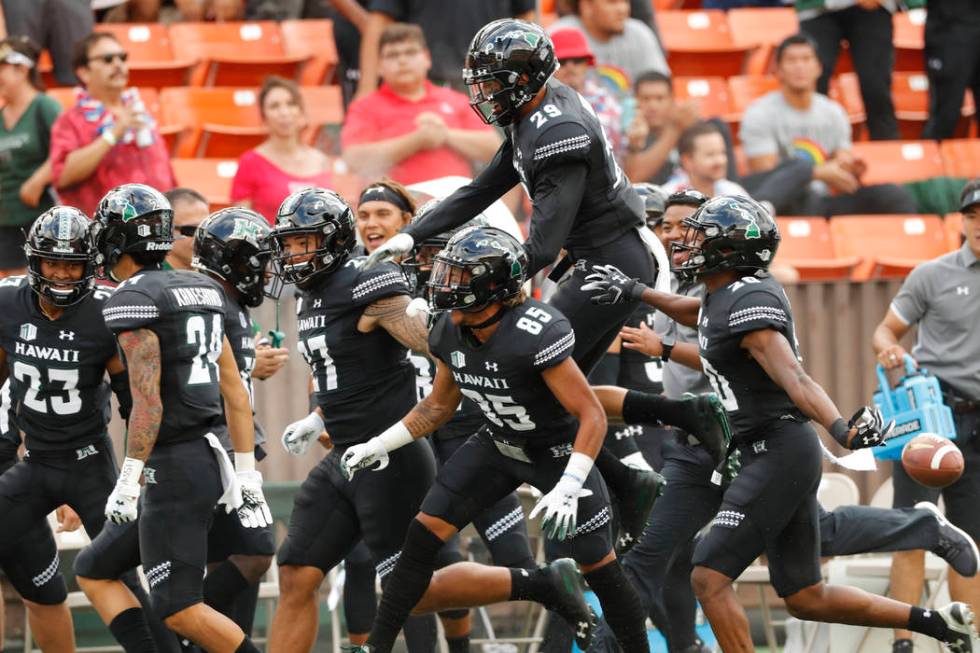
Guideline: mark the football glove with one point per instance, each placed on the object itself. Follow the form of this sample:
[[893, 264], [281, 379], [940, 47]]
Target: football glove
[[397, 246], [298, 436], [121, 506], [870, 429], [560, 505], [361, 456], [610, 286], [254, 511]]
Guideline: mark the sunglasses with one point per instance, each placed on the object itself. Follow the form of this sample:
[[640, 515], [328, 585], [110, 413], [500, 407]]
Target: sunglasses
[[110, 57], [187, 230]]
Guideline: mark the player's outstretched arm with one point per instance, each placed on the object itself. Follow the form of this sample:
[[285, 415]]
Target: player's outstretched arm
[[390, 314], [608, 285], [427, 416], [238, 410], [773, 352]]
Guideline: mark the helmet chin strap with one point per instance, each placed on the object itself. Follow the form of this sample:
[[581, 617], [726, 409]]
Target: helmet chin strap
[[490, 321]]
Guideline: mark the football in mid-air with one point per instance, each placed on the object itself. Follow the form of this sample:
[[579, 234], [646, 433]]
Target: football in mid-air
[[932, 460]]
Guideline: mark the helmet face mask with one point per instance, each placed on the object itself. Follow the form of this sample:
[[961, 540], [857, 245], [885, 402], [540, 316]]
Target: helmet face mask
[[233, 244], [316, 217], [417, 265], [61, 234]]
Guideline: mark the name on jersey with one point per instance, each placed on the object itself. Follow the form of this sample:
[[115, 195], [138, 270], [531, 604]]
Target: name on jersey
[[462, 378], [46, 353], [312, 322], [196, 296]]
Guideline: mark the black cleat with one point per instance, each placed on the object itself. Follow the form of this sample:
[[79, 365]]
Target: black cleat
[[640, 493], [569, 599], [955, 547], [710, 424], [962, 636]]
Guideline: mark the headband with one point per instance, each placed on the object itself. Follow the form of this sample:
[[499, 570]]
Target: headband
[[379, 193], [11, 56]]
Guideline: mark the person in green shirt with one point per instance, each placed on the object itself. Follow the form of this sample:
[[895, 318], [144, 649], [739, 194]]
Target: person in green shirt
[[25, 137]]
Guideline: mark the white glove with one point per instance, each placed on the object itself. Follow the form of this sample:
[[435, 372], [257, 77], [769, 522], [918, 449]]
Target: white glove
[[120, 507], [360, 456], [254, 511], [395, 247], [298, 436], [560, 506]]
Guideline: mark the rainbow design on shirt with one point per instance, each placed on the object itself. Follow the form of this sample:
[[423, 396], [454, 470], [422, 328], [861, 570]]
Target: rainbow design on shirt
[[615, 79], [809, 150]]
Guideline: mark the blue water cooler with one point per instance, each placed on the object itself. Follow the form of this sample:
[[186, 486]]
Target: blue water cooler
[[916, 405]]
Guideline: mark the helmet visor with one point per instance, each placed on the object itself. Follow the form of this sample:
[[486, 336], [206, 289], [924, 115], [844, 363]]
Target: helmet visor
[[488, 97], [449, 286]]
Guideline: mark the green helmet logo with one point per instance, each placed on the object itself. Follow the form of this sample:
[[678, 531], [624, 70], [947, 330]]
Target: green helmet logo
[[752, 230]]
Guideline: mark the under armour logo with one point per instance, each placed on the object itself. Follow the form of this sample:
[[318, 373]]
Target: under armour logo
[[491, 367], [85, 452], [582, 630], [317, 303], [561, 450], [962, 290], [66, 335], [759, 446], [150, 475], [625, 539], [628, 432]]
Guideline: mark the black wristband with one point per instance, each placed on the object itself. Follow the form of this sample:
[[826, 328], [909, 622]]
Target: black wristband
[[636, 292], [665, 350], [839, 430]]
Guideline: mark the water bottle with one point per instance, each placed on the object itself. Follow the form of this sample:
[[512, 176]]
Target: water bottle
[[144, 135]]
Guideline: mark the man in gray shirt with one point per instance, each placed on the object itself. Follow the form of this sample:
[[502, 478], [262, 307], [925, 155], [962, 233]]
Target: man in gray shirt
[[942, 297]]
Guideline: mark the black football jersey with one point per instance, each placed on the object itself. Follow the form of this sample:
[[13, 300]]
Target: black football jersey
[[363, 382], [637, 371], [241, 336], [503, 375], [58, 392], [186, 311], [751, 398]]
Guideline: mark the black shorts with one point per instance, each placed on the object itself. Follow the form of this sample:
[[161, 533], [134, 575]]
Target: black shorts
[[229, 537], [479, 475], [331, 514], [961, 496], [771, 507], [170, 537], [597, 326]]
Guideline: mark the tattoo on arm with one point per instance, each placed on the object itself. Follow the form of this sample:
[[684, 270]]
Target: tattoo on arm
[[142, 350], [409, 331], [428, 415]]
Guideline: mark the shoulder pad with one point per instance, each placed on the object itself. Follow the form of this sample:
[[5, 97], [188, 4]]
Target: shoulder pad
[[564, 141], [543, 334], [758, 308], [129, 308], [385, 280], [438, 336]]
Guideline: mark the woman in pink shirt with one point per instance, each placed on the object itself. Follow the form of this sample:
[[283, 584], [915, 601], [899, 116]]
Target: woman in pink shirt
[[281, 164]]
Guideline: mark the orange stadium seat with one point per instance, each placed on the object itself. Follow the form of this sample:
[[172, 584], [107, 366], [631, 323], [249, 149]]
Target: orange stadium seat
[[699, 43], [236, 53], [711, 93], [961, 157], [314, 39], [743, 90], [152, 60], [193, 108], [764, 27], [954, 230], [909, 40], [211, 177], [889, 245], [806, 244], [899, 162]]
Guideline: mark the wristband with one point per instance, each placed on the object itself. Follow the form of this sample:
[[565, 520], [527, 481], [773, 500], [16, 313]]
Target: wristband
[[578, 467], [839, 430], [130, 472], [245, 462], [109, 137], [396, 436], [636, 292], [665, 350]]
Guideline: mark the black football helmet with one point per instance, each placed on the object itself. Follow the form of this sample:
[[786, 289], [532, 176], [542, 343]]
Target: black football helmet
[[132, 218], [319, 213], [233, 244], [418, 263], [654, 202], [508, 62], [478, 267], [728, 233], [61, 233]]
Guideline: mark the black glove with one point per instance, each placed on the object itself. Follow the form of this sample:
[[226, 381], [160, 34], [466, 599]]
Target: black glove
[[871, 429], [612, 286]]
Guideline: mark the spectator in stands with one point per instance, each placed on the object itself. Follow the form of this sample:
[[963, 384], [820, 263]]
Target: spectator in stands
[[217, 10], [108, 138], [942, 299], [615, 38], [448, 24], [952, 58], [25, 137], [281, 164], [703, 163], [350, 20], [577, 62], [796, 121], [866, 25], [190, 210], [656, 127], [410, 129], [55, 25]]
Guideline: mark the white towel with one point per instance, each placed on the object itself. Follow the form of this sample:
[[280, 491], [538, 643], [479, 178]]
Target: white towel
[[232, 496], [660, 255]]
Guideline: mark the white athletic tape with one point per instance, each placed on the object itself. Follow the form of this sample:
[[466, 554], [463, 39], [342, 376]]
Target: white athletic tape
[[937, 458]]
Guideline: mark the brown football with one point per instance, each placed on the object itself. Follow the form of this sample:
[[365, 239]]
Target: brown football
[[932, 460]]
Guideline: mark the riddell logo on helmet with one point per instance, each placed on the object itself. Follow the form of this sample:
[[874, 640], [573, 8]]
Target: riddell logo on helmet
[[159, 247]]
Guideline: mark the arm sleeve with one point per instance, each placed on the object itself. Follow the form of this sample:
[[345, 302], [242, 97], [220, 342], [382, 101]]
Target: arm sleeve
[[129, 309], [469, 200], [555, 345], [912, 300], [757, 139], [757, 310], [120, 387], [243, 185], [64, 141], [377, 283], [557, 196]]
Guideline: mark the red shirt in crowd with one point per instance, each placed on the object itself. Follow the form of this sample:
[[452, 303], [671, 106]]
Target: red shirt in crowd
[[382, 115], [266, 185], [124, 164]]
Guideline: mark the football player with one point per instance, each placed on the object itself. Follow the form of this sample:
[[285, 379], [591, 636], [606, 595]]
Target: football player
[[181, 401], [232, 247], [512, 357], [55, 350], [748, 351], [583, 202]]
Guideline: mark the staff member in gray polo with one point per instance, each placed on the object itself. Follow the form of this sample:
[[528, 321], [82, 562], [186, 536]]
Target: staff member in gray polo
[[942, 297]]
